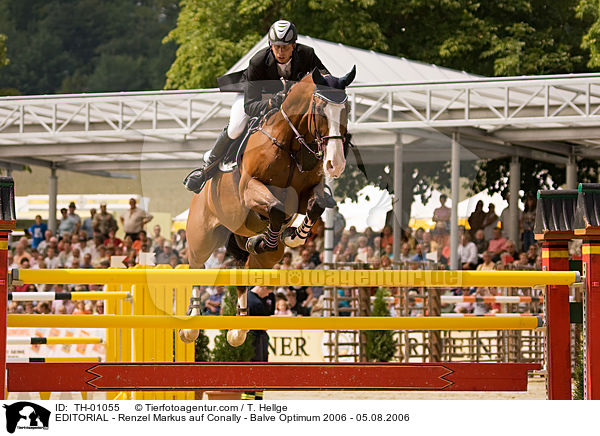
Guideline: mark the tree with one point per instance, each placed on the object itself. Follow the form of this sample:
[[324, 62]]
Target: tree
[[213, 34], [3, 56], [114, 45], [381, 346], [590, 10]]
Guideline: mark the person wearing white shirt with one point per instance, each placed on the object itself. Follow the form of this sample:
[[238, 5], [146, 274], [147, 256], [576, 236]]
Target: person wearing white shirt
[[467, 252]]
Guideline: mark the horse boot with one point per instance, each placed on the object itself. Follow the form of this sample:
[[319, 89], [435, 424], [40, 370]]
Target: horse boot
[[196, 180]]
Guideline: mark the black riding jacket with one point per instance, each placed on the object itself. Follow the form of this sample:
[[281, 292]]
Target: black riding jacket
[[262, 76]]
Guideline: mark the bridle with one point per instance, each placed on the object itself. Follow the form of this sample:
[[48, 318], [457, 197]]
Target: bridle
[[319, 140]]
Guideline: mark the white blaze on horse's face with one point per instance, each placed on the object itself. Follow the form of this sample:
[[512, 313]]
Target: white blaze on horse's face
[[335, 161]]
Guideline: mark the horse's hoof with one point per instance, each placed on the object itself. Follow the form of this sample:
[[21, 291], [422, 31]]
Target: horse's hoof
[[236, 337], [188, 336], [256, 245], [291, 239]]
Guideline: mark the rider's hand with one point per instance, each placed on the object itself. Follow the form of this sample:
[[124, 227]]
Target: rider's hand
[[276, 101]]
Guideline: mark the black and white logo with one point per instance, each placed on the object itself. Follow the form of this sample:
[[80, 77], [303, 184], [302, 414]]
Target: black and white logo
[[26, 415]]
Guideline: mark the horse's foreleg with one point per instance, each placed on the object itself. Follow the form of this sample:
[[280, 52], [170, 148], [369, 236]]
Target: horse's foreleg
[[296, 236], [258, 197]]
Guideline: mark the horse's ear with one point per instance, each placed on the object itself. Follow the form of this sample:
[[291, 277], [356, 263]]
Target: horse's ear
[[318, 78], [348, 78]]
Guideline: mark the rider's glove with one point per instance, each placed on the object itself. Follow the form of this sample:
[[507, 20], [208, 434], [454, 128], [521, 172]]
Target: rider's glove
[[276, 101]]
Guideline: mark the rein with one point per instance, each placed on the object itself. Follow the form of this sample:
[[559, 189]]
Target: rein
[[319, 140]]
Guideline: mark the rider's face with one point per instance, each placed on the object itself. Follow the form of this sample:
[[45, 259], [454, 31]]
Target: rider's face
[[283, 53]]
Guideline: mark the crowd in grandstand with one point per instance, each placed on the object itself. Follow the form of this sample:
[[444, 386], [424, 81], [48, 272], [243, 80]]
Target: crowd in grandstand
[[92, 241]]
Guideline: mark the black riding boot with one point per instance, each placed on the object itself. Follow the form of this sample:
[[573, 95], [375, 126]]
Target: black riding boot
[[196, 179]]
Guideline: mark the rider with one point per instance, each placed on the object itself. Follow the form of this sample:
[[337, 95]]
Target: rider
[[284, 58]]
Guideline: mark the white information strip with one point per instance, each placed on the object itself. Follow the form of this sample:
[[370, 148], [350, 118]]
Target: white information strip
[[291, 417]]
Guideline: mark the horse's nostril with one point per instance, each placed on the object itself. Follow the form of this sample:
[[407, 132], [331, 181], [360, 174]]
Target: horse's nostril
[[329, 165]]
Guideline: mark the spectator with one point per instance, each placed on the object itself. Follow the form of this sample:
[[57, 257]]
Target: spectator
[[88, 223], [82, 245], [73, 216], [87, 261], [81, 309], [385, 262], [387, 236], [104, 222], [181, 241], [315, 256], [442, 213], [491, 222], [134, 219], [67, 224], [467, 252], [404, 252], [174, 260], [370, 235], [163, 257], [480, 242], [112, 240], [37, 231], [496, 244], [509, 253], [99, 309], [101, 256], [286, 261], [505, 218], [156, 237], [213, 303], [487, 264], [44, 244], [420, 255], [52, 261], [65, 252], [21, 252], [532, 254], [528, 222], [73, 260], [282, 307], [419, 235], [476, 219], [305, 260], [428, 245]]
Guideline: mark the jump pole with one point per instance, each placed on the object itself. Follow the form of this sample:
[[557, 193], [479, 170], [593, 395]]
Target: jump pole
[[276, 323], [587, 224], [443, 376], [8, 223], [555, 236], [273, 277]]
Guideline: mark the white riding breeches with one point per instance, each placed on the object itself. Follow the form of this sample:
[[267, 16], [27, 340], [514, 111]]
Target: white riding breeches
[[237, 118]]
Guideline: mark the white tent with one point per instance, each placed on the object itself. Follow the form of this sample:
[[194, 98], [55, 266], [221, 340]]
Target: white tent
[[373, 205]]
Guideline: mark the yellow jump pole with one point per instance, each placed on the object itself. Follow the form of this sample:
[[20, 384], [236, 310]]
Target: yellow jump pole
[[340, 278], [275, 323]]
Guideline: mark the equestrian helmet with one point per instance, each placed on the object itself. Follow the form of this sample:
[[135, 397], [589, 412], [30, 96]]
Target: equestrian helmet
[[282, 32]]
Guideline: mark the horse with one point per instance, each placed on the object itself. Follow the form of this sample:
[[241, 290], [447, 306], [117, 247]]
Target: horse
[[281, 174]]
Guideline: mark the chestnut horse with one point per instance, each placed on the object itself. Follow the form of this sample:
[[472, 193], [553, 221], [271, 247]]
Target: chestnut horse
[[281, 175]]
